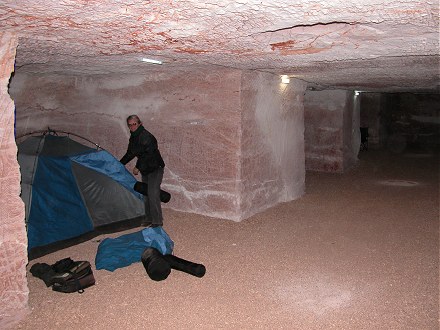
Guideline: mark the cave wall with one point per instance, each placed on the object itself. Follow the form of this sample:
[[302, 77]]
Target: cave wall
[[199, 118], [351, 130], [370, 116], [400, 122], [411, 121], [14, 291], [272, 148], [332, 135]]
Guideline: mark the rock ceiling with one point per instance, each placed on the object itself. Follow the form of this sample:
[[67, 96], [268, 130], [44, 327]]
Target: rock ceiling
[[377, 45]]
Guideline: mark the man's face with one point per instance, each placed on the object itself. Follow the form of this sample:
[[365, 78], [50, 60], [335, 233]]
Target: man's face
[[133, 124]]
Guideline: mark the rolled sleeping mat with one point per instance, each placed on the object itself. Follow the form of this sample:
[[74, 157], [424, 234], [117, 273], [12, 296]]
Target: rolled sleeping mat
[[185, 266], [155, 264], [142, 188]]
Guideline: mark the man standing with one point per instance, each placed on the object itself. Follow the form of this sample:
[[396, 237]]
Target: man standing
[[143, 145]]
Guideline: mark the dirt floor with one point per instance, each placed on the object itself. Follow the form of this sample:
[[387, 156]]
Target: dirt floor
[[359, 250]]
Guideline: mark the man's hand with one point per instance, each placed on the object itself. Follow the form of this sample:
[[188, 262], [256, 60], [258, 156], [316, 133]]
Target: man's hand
[[135, 171]]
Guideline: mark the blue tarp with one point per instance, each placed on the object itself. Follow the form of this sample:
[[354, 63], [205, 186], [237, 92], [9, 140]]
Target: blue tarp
[[122, 251]]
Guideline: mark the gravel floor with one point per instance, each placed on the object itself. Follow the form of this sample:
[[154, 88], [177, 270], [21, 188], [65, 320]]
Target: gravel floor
[[358, 251]]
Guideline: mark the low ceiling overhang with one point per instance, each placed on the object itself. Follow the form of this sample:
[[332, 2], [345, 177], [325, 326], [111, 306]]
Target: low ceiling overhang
[[365, 45]]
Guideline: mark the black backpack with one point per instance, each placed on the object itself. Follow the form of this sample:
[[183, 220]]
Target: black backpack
[[76, 279], [65, 275]]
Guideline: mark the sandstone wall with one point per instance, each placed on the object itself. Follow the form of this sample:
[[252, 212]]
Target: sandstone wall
[[370, 116], [272, 142], [332, 135], [411, 121], [13, 242], [351, 130], [199, 118]]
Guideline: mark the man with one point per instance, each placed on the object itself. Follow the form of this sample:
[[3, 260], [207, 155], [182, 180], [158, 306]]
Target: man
[[143, 145]]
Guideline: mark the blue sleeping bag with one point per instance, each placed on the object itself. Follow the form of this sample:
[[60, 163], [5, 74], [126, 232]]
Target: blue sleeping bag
[[122, 251]]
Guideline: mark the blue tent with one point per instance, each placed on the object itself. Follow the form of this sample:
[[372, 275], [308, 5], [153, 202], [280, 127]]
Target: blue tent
[[73, 191]]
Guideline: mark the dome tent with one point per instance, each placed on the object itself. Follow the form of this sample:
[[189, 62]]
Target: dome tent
[[73, 192]]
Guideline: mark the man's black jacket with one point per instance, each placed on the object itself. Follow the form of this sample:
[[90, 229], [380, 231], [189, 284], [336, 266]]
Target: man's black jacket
[[143, 145]]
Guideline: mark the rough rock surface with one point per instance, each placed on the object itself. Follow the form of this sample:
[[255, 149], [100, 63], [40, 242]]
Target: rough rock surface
[[13, 240], [350, 44]]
